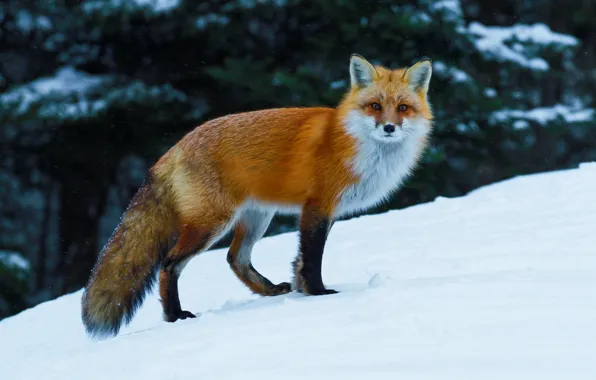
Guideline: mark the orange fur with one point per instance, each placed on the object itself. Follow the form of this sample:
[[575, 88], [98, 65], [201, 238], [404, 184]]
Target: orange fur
[[279, 156]]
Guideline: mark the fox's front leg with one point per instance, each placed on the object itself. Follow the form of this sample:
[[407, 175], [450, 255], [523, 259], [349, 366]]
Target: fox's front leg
[[315, 224]]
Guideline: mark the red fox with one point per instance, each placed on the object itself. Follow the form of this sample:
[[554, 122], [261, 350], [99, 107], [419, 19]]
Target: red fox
[[237, 171]]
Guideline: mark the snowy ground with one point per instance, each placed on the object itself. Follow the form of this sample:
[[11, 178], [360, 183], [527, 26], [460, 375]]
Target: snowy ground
[[499, 284]]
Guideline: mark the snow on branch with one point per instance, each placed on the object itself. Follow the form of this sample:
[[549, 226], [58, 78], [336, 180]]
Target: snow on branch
[[544, 115], [14, 259], [159, 5], [450, 9], [492, 41], [114, 6], [27, 22], [456, 75], [72, 94], [65, 82]]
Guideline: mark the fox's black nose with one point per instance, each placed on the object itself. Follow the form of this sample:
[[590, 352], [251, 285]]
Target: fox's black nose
[[389, 128]]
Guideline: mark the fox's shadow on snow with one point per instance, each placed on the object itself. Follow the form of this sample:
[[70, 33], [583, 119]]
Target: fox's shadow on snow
[[228, 306], [375, 280]]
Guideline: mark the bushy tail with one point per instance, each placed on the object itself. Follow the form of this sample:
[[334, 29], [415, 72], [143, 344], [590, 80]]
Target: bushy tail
[[126, 267]]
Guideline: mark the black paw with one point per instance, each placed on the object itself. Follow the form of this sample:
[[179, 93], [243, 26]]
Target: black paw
[[180, 314], [322, 292], [279, 289], [284, 287], [183, 314]]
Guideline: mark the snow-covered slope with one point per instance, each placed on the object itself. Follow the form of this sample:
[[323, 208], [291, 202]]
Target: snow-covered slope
[[499, 284]]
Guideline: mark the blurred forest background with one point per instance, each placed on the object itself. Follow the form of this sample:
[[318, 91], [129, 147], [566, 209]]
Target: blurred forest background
[[93, 92]]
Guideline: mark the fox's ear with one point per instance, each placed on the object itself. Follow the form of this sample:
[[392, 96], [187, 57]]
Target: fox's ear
[[418, 75], [362, 73]]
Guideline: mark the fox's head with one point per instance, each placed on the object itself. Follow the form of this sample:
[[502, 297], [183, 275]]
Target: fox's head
[[386, 105]]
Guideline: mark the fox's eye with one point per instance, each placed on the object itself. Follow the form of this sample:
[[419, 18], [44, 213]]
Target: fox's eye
[[402, 108], [376, 106]]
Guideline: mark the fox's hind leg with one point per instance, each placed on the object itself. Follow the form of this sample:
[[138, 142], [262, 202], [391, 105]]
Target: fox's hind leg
[[191, 241], [251, 226]]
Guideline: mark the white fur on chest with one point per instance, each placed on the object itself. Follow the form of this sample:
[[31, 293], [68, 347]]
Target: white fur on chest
[[381, 168], [381, 172]]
